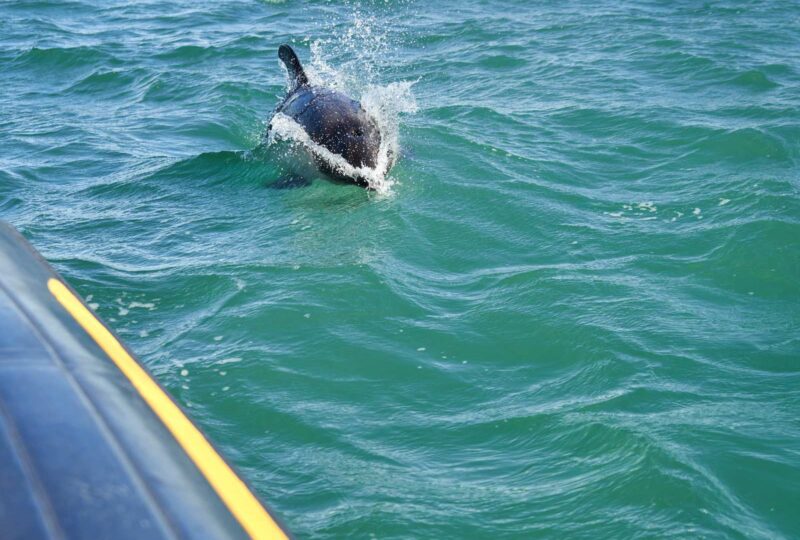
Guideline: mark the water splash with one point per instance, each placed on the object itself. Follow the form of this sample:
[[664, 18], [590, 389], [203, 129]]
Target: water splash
[[361, 47]]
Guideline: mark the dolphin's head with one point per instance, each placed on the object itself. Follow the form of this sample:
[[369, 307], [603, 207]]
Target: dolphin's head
[[342, 126]]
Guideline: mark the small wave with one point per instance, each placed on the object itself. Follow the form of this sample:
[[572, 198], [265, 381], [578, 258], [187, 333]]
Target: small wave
[[222, 168], [753, 79], [60, 58], [502, 61], [745, 144], [113, 82], [187, 52]]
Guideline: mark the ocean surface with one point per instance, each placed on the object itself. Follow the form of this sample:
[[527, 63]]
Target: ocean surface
[[571, 309]]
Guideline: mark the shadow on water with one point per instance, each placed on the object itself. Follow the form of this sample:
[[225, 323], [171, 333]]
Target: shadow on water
[[236, 172], [291, 181], [257, 167], [214, 168]]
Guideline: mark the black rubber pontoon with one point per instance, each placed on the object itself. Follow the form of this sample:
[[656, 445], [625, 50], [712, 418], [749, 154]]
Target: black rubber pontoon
[[90, 446]]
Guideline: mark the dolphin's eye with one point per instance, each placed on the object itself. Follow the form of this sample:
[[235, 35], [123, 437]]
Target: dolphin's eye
[[358, 132]]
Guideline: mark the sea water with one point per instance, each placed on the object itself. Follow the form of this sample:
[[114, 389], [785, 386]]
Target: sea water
[[571, 309]]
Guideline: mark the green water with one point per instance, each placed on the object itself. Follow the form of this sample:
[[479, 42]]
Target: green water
[[575, 314]]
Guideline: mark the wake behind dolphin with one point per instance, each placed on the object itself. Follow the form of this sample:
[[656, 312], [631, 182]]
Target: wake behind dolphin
[[344, 141]]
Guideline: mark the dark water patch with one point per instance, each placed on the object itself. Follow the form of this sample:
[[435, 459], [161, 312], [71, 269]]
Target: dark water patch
[[779, 70], [666, 43], [290, 182], [167, 87], [226, 168], [502, 61], [120, 83], [44, 6], [194, 55], [212, 132], [743, 145], [433, 38], [48, 60], [770, 114], [768, 270], [188, 53], [120, 190], [755, 80], [245, 92]]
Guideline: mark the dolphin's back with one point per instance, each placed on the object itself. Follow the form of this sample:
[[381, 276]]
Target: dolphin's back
[[334, 121]]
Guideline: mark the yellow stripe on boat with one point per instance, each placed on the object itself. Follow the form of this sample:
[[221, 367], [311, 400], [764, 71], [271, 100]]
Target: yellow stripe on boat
[[235, 494]]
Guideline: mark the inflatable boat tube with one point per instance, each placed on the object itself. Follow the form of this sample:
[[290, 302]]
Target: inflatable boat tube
[[90, 445]]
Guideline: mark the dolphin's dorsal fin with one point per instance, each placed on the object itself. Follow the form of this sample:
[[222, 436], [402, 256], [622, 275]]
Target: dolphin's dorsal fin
[[292, 63]]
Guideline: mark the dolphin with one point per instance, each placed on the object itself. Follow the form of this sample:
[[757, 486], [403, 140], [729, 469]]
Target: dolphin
[[332, 120]]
